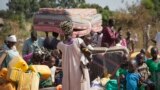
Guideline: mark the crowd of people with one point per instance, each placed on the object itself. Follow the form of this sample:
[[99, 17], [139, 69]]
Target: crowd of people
[[68, 58]]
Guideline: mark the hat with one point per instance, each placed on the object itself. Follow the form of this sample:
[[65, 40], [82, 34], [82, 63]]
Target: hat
[[12, 38]]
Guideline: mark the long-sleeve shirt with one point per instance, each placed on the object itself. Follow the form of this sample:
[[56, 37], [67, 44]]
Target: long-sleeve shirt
[[109, 36], [29, 46]]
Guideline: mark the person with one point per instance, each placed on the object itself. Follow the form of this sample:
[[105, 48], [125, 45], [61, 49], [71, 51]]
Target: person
[[97, 39], [31, 44], [71, 49], [109, 35], [144, 72], [130, 42], [157, 41], [4, 47], [9, 51], [154, 64], [133, 78], [121, 72], [51, 42]]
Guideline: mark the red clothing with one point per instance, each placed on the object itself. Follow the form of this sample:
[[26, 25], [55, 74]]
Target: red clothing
[[109, 36]]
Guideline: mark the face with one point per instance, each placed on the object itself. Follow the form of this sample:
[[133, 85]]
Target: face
[[140, 59], [11, 44], [154, 53], [132, 66], [34, 38]]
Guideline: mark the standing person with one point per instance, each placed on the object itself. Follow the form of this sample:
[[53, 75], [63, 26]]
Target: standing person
[[51, 42], [71, 55], [109, 34], [154, 67], [130, 42], [9, 51], [157, 41], [31, 44]]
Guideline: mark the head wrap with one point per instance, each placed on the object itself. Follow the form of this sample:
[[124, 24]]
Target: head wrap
[[67, 27], [12, 38]]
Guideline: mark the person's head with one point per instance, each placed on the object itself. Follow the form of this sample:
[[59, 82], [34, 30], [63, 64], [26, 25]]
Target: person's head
[[11, 40], [54, 34], [132, 66], [50, 61], [67, 28], [128, 33], [154, 53], [143, 51], [34, 35], [140, 58], [111, 22]]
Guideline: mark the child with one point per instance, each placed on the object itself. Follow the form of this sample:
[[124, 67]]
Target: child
[[121, 72], [132, 78], [144, 71]]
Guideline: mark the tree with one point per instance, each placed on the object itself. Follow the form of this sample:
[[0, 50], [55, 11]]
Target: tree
[[47, 3], [69, 3], [27, 7]]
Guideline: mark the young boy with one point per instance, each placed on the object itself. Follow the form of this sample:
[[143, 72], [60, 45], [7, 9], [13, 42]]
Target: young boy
[[133, 78], [143, 70]]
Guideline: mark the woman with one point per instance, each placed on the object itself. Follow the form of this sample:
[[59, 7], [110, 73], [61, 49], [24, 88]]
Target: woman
[[154, 67], [9, 51], [71, 55]]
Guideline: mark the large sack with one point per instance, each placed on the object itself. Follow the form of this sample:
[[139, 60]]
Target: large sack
[[75, 11]]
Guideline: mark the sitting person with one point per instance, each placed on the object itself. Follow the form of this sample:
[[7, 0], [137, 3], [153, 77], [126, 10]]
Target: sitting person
[[144, 72], [133, 78]]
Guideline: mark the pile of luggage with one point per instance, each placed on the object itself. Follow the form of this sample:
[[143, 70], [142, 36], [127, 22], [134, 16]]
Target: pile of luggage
[[19, 76], [84, 20]]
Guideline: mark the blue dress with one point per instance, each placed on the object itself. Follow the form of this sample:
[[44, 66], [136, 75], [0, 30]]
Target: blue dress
[[132, 81], [11, 54]]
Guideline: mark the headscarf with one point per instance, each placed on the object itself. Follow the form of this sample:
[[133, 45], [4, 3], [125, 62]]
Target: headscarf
[[67, 27], [12, 38]]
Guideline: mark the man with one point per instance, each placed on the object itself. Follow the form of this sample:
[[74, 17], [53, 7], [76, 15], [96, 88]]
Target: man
[[51, 42], [31, 44], [109, 35]]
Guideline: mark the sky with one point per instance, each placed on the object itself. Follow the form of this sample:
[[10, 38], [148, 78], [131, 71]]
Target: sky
[[112, 4]]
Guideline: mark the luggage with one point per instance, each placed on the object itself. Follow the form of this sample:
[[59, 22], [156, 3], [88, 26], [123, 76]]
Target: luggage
[[18, 62], [14, 74], [8, 86], [112, 85], [44, 71], [28, 81]]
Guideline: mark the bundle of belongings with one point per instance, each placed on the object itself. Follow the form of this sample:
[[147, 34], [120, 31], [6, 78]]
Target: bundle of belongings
[[84, 20], [19, 76]]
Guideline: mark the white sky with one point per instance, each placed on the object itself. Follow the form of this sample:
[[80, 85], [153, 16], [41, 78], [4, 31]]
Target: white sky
[[112, 4]]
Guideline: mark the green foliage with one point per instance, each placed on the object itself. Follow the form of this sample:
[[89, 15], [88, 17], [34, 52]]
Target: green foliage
[[148, 4], [6, 30], [28, 7], [47, 3]]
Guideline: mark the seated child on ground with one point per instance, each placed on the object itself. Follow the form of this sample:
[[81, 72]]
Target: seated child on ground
[[133, 78], [143, 70]]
